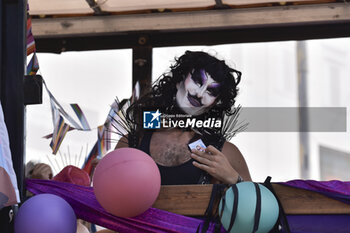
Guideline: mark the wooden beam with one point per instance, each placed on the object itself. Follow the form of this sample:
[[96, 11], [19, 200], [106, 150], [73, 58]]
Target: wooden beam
[[188, 21], [142, 66], [192, 200], [213, 37], [300, 201]]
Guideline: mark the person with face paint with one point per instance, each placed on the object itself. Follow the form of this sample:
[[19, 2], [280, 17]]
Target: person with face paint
[[197, 93], [204, 87]]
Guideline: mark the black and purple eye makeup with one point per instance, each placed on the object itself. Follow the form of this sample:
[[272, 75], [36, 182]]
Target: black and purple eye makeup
[[197, 77], [200, 77], [214, 89], [204, 76]]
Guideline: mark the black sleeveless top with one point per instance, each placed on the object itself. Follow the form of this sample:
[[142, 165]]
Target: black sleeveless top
[[184, 173]]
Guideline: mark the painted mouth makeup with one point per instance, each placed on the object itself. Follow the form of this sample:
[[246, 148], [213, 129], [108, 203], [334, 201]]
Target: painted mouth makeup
[[193, 100]]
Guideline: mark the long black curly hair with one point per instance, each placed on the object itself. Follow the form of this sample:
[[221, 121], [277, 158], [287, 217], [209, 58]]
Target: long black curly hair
[[163, 93], [164, 89]]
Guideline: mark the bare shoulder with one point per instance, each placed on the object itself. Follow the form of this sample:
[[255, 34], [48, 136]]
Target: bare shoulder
[[231, 151], [123, 142], [236, 160]]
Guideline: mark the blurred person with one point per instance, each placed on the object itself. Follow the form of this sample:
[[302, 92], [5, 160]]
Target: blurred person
[[40, 171]]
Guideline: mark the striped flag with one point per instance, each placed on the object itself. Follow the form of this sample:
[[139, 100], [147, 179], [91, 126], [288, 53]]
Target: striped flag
[[87, 166], [33, 66], [101, 139], [103, 143], [30, 38], [80, 116], [61, 128]]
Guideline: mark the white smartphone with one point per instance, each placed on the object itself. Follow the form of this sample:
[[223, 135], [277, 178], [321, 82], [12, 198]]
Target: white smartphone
[[197, 145]]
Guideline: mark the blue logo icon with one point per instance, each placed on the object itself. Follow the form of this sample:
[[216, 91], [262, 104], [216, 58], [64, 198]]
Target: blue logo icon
[[151, 119]]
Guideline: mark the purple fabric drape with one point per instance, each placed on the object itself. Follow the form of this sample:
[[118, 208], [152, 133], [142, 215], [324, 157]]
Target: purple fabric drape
[[325, 223], [86, 207]]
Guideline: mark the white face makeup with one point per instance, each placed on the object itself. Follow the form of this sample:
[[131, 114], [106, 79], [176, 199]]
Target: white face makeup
[[197, 93]]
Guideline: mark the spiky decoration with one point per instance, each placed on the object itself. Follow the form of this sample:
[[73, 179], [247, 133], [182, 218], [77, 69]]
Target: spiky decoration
[[120, 123], [231, 126]]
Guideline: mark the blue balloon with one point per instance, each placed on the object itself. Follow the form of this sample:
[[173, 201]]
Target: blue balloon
[[45, 213], [247, 201]]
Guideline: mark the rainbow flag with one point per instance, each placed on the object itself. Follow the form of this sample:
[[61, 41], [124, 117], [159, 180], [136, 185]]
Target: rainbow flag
[[30, 38], [80, 116], [33, 66], [87, 166], [103, 143], [101, 138], [61, 128]]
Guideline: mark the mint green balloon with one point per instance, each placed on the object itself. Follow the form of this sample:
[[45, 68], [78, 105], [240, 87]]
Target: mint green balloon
[[244, 222]]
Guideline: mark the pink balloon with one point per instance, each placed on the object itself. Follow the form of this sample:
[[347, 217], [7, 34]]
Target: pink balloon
[[126, 182]]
